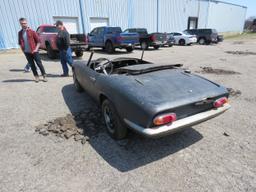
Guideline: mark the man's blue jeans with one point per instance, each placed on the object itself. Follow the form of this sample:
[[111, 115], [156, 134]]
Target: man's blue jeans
[[65, 59]]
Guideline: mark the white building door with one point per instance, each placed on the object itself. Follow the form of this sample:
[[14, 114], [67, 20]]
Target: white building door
[[98, 22], [70, 23]]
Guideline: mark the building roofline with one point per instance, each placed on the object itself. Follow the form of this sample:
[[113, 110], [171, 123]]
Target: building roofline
[[217, 1]]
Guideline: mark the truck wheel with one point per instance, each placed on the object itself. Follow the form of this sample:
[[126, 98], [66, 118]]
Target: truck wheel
[[79, 53], [115, 126], [156, 46], [144, 45], [202, 41], [77, 85], [50, 52], [129, 49], [182, 42], [109, 47]]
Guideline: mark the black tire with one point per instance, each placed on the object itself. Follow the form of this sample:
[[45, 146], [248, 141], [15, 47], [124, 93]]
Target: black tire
[[79, 53], [170, 45], [144, 45], [77, 85], [50, 52], [182, 42], [156, 46], [109, 47], [88, 48], [129, 49], [114, 125], [202, 41]]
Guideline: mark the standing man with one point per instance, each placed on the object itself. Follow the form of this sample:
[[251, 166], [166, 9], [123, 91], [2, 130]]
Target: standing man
[[63, 44], [29, 43]]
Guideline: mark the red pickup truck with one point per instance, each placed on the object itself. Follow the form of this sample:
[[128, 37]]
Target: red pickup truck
[[48, 34]]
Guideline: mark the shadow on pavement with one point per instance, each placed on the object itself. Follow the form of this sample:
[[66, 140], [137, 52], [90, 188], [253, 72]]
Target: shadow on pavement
[[17, 80], [16, 70], [133, 152]]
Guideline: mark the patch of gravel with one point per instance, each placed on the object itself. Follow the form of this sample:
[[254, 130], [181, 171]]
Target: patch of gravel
[[217, 71], [233, 92], [79, 127], [245, 53]]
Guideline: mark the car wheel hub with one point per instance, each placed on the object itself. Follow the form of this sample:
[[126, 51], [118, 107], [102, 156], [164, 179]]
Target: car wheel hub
[[108, 116]]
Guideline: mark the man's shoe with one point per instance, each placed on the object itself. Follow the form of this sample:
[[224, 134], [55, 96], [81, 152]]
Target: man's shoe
[[26, 70], [36, 79], [44, 79]]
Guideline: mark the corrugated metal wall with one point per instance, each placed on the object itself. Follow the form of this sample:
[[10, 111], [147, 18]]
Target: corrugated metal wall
[[37, 12], [226, 18], [155, 15], [115, 10], [144, 14]]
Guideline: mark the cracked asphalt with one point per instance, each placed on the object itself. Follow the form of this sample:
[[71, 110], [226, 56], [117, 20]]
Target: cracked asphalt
[[216, 156]]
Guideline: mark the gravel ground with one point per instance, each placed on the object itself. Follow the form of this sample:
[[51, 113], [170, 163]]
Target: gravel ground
[[218, 155]]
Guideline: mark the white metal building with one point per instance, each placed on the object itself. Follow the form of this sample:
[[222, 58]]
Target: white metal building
[[81, 16]]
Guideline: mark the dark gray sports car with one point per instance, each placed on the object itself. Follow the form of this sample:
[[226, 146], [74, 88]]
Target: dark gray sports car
[[152, 99]]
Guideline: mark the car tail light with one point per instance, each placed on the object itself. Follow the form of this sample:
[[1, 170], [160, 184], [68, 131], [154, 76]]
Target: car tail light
[[153, 38], [164, 119], [220, 102], [119, 38]]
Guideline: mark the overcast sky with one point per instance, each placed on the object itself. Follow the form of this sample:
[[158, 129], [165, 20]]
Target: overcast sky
[[250, 4]]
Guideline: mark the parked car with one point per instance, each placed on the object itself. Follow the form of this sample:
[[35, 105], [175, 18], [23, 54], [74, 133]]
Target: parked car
[[146, 40], [205, 36], [110, 38], [149, 98], [170, 40], [48, 35], [183, 38]]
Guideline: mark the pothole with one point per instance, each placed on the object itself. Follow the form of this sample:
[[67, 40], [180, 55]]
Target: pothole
[[79, 127], [244, 53], [211, 70]]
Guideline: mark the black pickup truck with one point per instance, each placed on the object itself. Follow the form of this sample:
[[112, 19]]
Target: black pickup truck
[[206, 36], [146, 40]]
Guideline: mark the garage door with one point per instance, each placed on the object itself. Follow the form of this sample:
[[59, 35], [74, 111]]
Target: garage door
[[98, 22], [70, 23]]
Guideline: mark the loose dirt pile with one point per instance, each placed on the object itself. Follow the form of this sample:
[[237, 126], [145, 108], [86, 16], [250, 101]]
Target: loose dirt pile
[[233, 92], [244, 53], [217, 71], [79, 127]]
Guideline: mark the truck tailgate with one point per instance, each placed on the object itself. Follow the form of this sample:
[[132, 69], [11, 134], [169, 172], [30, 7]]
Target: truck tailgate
[[129, 38]]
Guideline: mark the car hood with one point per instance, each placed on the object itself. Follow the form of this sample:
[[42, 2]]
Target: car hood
[[168, 88]]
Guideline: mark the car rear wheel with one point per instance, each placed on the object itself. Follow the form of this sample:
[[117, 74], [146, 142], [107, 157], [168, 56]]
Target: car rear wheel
[[144, 45], [170, 45], [50, 52], [77, 85], [115, 126], [129, 49], [79, 53], [109, 47], [202, 41], [156, 46], [182, 42]]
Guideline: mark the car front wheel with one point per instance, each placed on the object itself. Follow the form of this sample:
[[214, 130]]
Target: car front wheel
[[115, 126], [77, 85]]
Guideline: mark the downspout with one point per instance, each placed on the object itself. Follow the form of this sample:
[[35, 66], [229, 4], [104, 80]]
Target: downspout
[[157, 15], [208, 9], [82, 5]]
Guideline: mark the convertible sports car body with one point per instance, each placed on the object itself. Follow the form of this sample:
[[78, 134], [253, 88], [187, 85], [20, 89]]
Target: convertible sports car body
[[152, 99]]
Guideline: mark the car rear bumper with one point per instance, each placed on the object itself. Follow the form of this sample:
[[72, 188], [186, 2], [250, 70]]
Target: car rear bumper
[[179, 124]]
